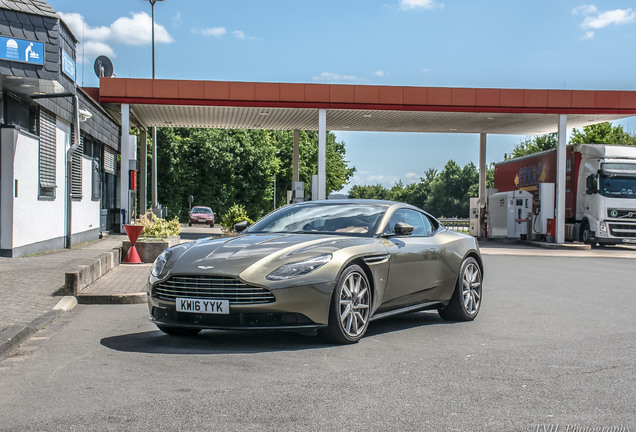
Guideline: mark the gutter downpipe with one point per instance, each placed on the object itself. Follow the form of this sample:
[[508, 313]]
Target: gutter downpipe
[[69, 167]]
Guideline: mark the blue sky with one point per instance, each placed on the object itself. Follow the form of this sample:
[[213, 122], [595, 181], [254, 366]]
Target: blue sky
[[554, 44]]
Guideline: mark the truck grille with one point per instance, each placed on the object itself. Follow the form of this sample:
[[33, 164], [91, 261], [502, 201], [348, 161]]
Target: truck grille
[[622, 230], [212, 287], [621, 214]]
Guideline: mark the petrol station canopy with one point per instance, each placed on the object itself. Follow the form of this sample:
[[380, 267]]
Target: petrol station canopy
[[251, 105]]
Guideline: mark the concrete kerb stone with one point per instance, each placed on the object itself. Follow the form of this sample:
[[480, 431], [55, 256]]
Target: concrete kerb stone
[[85, 275], [15, 336]]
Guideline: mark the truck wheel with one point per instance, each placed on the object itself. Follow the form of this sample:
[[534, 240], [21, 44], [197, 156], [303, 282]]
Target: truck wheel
[[586, 234]]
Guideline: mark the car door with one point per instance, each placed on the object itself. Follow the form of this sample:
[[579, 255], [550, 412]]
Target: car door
[[414, 260]]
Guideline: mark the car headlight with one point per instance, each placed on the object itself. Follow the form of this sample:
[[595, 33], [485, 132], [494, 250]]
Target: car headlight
[[299, 268], [160, 263], [602, 228]]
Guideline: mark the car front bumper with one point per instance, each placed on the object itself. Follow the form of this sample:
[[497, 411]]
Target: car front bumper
[[298, 307]]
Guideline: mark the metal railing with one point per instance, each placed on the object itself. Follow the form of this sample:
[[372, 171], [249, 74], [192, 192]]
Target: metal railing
[[455, 224]]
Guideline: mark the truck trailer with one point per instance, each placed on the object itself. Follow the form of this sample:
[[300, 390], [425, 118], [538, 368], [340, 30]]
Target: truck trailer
[[600, 190]]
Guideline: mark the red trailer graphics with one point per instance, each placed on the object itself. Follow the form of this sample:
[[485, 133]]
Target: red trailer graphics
[[600, 189], [525, 173]]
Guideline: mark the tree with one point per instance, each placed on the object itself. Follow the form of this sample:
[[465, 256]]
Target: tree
[[369, 192], [602, 133], [534, 145], [337, 169], [220, 167], [444, 193]]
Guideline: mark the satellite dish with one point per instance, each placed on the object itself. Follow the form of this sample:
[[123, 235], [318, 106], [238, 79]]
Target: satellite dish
[[103, 67]]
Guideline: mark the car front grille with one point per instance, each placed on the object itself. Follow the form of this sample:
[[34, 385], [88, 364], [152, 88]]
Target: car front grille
[[622, 230], [212, 287]]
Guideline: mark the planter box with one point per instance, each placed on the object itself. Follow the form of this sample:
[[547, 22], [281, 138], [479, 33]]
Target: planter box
[[150, 248]]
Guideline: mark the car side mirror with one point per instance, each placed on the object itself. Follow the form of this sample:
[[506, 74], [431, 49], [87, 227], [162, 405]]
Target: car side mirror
[[402, 228], [241, 226], [590, 184]]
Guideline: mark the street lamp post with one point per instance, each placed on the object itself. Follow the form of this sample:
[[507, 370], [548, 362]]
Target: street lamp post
[[154, 128]]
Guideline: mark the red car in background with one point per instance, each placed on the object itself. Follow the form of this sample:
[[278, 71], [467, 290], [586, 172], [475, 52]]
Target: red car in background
[[201, 214]]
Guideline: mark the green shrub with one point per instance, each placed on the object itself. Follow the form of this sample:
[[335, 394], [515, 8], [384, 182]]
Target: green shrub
[[234, 215], [157, 227]]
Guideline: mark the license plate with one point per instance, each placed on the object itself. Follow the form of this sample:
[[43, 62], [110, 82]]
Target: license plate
[[203, 306], [629, 240]]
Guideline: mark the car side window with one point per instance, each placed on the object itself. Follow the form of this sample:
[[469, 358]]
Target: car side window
[[421, 224]]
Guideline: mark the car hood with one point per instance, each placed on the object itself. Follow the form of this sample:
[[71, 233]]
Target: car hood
[[231, 256]]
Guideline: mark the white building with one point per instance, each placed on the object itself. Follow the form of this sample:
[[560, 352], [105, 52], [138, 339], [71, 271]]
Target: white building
[[41, 108]]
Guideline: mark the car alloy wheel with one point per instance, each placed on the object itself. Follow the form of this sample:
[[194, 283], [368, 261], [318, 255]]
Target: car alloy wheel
[[350, 309], [465, 303], [471, 288]]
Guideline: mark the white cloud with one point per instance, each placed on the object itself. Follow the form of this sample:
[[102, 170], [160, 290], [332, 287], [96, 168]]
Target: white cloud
[[212, 31], [330, 76], [616, 17], [585, 10], [380, 74], [93, 49], [411, 177], [595, 20], [239, 34], [133, 30], [419, 4], [81, 30], [137, 30], [177, 20]]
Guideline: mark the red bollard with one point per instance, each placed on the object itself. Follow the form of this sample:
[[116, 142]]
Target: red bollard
[[133, 231]]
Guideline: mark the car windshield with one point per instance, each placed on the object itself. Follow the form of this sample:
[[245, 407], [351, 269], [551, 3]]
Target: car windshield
[[201, 210], [618, 187], [341, 218]]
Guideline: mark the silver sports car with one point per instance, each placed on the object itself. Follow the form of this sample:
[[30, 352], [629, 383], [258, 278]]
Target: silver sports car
[[328, 265]]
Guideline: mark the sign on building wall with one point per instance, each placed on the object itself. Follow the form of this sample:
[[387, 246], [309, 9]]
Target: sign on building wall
[[20, 50], [68, 65]]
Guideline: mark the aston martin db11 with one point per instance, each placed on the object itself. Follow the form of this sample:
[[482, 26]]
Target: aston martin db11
[[328, 265]]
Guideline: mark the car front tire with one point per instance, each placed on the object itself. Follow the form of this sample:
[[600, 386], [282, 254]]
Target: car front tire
[[178, 331], [465, 303], [350, 307]]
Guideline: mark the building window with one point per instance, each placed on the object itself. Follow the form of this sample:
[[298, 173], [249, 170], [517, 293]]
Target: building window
[[46, 171], [76, 167], [96, 192]]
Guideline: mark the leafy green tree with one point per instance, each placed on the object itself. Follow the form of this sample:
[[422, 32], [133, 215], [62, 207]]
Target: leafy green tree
[[369, 192], [534, 145], [337, 168], [220, 167], [450, 190], [602, 133]]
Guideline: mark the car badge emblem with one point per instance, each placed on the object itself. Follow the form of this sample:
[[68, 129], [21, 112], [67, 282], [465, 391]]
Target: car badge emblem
[[613, 213], [205, 267]]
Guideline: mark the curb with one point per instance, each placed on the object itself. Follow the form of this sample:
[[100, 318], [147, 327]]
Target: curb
[[85, 275], [536, 244], [134, 298], [16, 336]]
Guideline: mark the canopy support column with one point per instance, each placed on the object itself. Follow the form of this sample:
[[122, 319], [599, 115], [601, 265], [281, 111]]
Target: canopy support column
[[482, 170], [154, 171], [560, 179], [322, 154], [143, 168], [296, 158]]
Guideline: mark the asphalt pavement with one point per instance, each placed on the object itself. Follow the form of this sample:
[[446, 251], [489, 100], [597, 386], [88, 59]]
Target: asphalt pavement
[[553, 349], [31, 286]]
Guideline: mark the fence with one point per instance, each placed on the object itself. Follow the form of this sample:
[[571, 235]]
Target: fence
[[455, 224]]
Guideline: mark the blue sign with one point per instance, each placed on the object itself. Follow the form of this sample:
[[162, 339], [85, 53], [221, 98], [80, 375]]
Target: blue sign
[[68, 65], [21, 50]]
